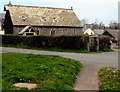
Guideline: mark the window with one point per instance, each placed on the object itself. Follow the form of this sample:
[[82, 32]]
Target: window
[[52, 33], [55, 20], [24, 18], [44, 18]]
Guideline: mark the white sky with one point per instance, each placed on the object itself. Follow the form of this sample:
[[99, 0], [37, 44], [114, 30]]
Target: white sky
[[91, 10]]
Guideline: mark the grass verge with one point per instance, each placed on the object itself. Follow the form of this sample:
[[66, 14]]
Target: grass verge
[[109, 79], [48, 71], [56, 49]]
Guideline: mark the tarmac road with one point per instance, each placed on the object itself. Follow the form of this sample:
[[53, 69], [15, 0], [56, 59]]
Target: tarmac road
[[107, 58]]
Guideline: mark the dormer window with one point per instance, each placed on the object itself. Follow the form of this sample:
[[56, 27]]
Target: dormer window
[[55, 20], [24, 18], [44, 18]]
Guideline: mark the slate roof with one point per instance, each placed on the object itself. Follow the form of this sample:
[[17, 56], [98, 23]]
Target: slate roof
[[42, 16], [99, 31], [114, 33]]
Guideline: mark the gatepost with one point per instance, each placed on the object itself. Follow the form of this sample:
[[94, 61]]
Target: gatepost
[[93, 43]]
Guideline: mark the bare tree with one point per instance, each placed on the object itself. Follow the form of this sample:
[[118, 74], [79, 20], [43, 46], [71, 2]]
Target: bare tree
[[101, 25], [84, 21], [98, 25], [114, 25], [95, 24]]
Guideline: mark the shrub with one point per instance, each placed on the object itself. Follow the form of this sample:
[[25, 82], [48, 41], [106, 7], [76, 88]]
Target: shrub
[[104, 43], [15, 40], [57, 42], [62, 42]]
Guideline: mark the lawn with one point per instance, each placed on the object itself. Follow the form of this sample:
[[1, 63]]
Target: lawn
[[49, 72], [109, 79]]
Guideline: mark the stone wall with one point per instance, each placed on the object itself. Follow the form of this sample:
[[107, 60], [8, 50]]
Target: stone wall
[[52, 31], [16, 30]]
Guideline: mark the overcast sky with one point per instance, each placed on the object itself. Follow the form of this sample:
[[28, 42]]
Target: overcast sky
[[91, 10]]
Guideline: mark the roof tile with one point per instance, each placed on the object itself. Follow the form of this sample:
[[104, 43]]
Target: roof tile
[[34, 16]]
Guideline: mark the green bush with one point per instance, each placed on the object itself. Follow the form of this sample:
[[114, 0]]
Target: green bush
[[60, 42], [54, 42], [15, 40], [104, 43]]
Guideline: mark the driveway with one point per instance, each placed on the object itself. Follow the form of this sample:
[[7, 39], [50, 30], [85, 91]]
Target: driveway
[[87, 79]]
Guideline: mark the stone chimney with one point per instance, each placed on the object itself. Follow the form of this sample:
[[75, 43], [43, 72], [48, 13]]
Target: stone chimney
[[10, 4]]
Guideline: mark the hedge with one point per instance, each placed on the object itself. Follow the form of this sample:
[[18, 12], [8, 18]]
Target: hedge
[[104, 43], [60, 42]]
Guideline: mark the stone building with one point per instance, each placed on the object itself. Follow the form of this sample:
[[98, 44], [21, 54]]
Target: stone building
[[33, 20]]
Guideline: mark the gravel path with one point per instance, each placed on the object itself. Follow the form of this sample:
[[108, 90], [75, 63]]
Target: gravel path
[[87, 79]]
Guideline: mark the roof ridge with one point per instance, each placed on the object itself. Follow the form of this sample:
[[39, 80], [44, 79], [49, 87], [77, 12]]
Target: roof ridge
[[39, 7]]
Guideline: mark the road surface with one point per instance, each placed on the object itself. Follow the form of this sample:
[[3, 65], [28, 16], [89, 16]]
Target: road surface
[[107, 58]]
